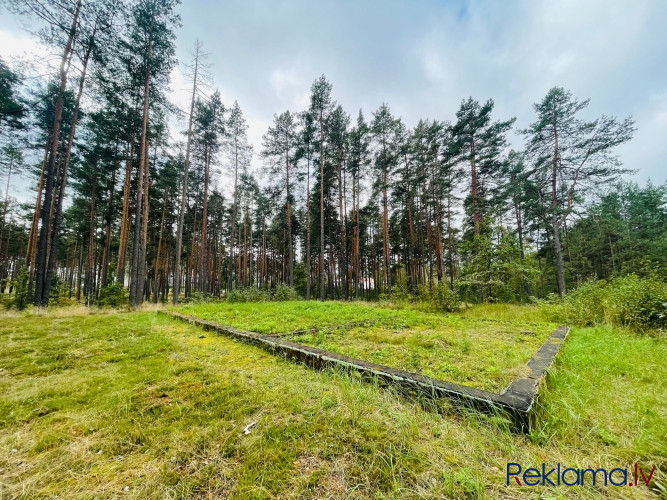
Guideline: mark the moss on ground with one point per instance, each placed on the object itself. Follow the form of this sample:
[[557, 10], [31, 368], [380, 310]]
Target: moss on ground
[[141, 406]]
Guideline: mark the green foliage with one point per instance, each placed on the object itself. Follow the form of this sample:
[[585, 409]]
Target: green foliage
[[439, 297], [60, 294], [114, 295], [621, 232], [284, 293], [629, 301], [399, 292], [495, 271], [20, 299], [250, 294]]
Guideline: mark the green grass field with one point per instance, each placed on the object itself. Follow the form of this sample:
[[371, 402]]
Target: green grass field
[[137, 405], [464, 349]]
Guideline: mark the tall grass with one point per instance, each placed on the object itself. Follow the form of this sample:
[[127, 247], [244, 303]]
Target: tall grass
[[138, 406]]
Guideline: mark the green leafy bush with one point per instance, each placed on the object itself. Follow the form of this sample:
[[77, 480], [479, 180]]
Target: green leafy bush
[[60, 296], [248, 295], [20, 298], [629, 301], [113, 295], [439, 297], [284, 293]]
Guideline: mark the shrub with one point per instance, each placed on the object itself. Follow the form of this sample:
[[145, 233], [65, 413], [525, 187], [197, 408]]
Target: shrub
[[250, 294], [284, 293], [399, 292], [439, 297], [113, 295], [629, 301], [20, 299], [60, 296], [235, 296]]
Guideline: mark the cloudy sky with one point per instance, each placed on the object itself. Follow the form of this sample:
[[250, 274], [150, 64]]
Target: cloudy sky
[[423, 57]]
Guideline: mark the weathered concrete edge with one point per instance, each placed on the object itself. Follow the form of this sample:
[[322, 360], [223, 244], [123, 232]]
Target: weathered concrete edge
[[515, 405], [527, 388]]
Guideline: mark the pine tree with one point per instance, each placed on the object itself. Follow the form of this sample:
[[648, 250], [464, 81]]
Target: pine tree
[[570, 154], [383, 127], [320, 107], [280, 148], [239, 154]]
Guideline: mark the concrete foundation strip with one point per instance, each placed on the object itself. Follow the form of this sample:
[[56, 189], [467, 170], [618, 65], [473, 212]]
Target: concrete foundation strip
[[517, 401]]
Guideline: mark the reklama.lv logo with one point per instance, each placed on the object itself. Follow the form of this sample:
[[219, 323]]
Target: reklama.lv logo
[[574, 477]]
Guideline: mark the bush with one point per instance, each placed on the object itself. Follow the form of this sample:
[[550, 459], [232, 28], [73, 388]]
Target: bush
[[235, 296], [629, 301], [20, 299], [59, 296], [248, 295], [113, 296], [439, 297], [284, 293]]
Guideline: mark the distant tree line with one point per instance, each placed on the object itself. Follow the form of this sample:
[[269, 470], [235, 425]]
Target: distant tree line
[[343, 208]]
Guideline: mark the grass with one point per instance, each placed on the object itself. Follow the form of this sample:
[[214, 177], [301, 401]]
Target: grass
[[465, 349], [141, 406]]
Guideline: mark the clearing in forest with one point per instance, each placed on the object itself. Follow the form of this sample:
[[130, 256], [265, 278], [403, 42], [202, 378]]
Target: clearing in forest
[[477, 352]]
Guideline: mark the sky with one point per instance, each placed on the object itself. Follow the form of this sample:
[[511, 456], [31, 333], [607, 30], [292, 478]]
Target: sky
[[424, 57]]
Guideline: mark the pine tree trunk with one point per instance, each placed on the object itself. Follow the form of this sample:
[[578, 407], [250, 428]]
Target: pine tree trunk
[[555, 226], [385, 219], [126, 221], [41, 297], [308, 268], [138, 269], [474, 187], [341, 226], [234, 212], [107, 236], [90, 278], [322, 156], [184, 195], [159, 267], [290, 247], [204, 226], [57, 217]]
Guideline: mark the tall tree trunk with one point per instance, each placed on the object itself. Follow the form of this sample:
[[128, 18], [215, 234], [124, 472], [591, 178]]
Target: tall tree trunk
[[138, 269], [290, 247], [438, 223], [107, 238], [234, 212], [90, 278], [322, 157], [184, 195], [385, 221], [341, 225], [450, 235], [159, 267], [41, 292], [6, 204], [357, 242], [308, 268], [57, 217], [555, 225], [31, 256], [475, 187], [126, 218], [204, 226]]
